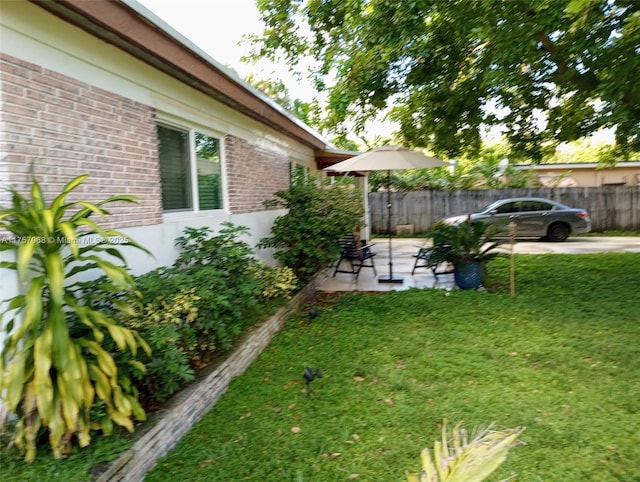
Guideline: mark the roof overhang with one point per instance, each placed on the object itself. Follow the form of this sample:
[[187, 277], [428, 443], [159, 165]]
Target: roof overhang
[[134, 29], [329, 157]]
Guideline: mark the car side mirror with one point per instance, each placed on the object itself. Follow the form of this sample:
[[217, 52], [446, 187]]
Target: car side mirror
[[493, 212]]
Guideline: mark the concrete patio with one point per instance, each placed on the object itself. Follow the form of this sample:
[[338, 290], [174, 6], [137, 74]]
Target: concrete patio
[[403, 260], [403, 250]]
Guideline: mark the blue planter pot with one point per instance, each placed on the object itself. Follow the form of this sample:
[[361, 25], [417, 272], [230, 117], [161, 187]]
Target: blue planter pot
[[468, 275]]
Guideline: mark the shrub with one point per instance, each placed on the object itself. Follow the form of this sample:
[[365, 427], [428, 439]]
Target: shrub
[[220, 269], [275, 282], [169, 324], [167, 318], [196, 308], [318, 214], [53, 364]]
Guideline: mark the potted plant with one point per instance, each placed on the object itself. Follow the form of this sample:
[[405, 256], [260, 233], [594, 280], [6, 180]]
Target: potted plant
[[467, 246]]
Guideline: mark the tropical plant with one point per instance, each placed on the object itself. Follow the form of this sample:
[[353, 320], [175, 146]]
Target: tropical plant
[[466, 241], [468, 246], [53, 364], [318, 214], [192, 311], [458, 459]]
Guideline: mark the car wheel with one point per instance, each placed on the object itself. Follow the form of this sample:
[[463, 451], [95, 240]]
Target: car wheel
[[558, 232]]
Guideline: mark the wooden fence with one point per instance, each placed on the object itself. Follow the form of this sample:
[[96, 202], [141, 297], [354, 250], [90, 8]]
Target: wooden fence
[[610, 207]]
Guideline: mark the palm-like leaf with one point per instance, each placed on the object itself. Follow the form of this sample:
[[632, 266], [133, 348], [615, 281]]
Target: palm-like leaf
[[57, 392], [457, 459], [463, 242]]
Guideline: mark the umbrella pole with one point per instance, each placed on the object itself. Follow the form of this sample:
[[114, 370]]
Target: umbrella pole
[[390, 278]]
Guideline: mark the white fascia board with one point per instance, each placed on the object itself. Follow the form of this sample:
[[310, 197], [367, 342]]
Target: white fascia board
[[162, 25]]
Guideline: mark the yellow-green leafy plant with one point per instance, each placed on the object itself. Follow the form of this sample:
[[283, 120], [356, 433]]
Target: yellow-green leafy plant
[[53, 367], [171, 327], [275, 282], [458, 459]]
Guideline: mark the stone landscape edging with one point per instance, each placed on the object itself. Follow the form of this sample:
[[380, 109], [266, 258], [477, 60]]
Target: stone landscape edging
[[166, 427]]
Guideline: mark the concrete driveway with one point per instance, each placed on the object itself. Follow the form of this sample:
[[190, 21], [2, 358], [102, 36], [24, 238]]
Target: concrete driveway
[[581, 245], [403, 260]]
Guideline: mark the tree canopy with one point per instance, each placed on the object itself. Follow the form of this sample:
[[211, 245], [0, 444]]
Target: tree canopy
[[547, 71]]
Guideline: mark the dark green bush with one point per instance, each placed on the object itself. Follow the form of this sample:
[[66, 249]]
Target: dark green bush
[[196, 309], [166, 318], [219, 268], [319, 213]]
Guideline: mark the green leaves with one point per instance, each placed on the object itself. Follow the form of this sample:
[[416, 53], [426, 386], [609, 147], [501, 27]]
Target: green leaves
[[463, 242], [50, 366], [446, 68], [318, 214]]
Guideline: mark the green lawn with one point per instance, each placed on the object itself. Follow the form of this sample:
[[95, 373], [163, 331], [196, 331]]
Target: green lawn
[[562, 358]]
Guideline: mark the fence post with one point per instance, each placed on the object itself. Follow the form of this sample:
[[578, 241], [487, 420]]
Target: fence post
[[512, 270]]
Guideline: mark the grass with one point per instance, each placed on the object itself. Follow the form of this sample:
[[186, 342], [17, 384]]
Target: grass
[[561, 358], [79, 466]]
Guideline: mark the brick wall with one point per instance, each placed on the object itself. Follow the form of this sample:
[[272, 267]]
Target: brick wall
[[70, 128], [253, 174]]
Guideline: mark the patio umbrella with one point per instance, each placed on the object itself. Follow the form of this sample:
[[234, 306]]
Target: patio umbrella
[[387, 158]]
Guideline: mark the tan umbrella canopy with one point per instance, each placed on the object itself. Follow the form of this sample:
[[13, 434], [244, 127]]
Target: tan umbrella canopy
[[387, 158]]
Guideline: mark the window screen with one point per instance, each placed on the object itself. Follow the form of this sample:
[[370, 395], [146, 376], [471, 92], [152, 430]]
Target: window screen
[[209, 173], [173, 150]]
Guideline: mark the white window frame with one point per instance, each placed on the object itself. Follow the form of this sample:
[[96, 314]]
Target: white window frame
[[191, 129]]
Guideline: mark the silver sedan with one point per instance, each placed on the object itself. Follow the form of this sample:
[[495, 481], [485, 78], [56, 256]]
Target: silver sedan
[[534, 217]]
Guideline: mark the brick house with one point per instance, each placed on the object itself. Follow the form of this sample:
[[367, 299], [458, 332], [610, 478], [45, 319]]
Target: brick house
[[106, 88]]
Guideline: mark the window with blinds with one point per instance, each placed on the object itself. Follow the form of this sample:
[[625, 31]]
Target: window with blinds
[[175, 175], [176, 167]]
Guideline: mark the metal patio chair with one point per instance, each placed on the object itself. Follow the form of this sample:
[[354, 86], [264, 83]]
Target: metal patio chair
[[354, 254], [425, 259]]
